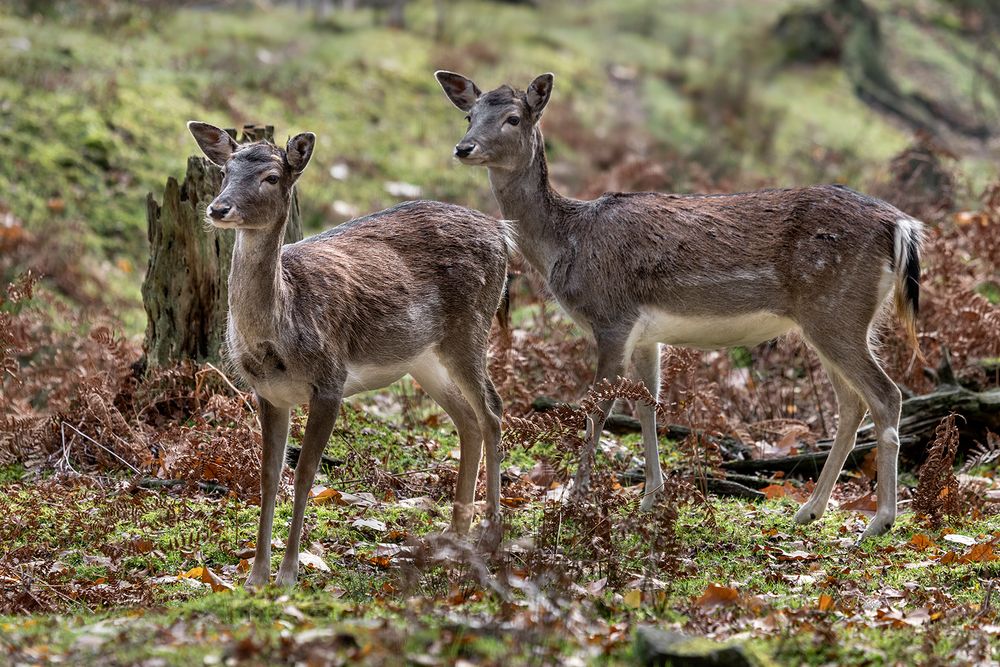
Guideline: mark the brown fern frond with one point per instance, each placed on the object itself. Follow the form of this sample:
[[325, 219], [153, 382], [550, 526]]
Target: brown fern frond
[[937, 494]]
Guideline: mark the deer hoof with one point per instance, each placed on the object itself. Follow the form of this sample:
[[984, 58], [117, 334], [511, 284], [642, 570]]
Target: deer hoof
[[257, 581], [491, 534], [807, 514], [284, 580], [648, 502], [878, 526]]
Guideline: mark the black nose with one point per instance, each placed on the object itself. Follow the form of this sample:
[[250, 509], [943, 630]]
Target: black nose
[[463, 150], [219, 211]]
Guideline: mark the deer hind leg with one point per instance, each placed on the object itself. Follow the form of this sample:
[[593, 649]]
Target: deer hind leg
[[646, 361], [850, 411], [610, 365], [857, 366], [468, 371], [274, 432], [439, 386]]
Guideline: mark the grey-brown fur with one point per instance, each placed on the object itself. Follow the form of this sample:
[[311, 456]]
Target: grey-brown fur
[[708, 271], [412, 289]]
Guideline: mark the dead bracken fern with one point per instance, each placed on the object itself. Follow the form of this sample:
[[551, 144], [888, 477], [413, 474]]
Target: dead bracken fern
[[982, 453], [937, 494]]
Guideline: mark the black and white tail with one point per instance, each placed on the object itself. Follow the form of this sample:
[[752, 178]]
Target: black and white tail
[[906, 265]]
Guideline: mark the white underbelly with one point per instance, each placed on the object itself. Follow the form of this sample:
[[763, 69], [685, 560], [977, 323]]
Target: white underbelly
[[707, 332], [366, 377], [284, 393]]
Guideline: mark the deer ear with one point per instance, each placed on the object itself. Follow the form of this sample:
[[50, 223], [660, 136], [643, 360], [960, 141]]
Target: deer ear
[[462, 92], [215, 143], [538, 93], [299, 150]]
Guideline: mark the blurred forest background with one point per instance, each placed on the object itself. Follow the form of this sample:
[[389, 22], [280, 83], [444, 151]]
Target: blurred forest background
[[895, 98], [672, 96]]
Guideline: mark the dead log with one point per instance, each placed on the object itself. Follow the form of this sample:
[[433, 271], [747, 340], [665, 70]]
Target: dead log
[[326, 463], [980, 412], [185, 291]]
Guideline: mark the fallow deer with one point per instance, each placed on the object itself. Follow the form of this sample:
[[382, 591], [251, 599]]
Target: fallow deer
[[411, 289], [707, 271]]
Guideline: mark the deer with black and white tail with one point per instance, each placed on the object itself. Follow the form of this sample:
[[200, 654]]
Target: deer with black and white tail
[[411, 289], [707, 271]]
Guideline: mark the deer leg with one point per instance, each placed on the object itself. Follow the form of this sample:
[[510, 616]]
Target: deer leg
[[322, 416], [610, 364], [884, 401], [274, 432], [445, 392], [646, 361], [857, 366], [482, 396], [850, 411]]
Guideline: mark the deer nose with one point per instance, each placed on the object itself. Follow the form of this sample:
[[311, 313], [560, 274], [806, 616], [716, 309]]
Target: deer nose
[[464, 150], [219, 211]]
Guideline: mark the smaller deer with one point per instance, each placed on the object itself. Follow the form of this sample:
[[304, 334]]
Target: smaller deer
[[707, 271], [411, 289]]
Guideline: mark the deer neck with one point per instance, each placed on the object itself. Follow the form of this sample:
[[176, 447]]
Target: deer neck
[[528, 200], [256, 285]]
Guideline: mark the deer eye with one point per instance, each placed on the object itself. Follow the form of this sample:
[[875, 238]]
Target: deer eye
[[272, 179], [513, 120]]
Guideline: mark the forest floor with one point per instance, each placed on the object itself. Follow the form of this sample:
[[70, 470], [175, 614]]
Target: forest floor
[[120, 574]]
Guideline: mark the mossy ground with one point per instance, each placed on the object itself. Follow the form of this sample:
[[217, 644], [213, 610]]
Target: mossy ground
[[804, 595]]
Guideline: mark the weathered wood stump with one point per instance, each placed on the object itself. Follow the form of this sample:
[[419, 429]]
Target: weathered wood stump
[[185, 292]]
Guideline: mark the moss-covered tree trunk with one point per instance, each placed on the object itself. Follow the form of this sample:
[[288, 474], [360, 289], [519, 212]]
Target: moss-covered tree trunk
[[185, 292]]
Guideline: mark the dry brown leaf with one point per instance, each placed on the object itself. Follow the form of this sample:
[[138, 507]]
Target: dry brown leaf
[[633, 599], [716, 595], [218, 584]]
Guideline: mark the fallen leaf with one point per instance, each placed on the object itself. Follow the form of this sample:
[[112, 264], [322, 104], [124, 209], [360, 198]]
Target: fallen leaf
[[514, 502], [360, 499], [921, 542], [313, 561], [866, 504], [964, 540], [794, 555], [322, 495], [980, 553], [773, 491], [825, 602], [949, 558], [633, 599], [716, 595], [215, 581], [542, 474], [371, 524], [142, 545], [596, 587]]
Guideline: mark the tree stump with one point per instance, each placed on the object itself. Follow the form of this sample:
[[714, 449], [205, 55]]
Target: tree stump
[[185, 292]]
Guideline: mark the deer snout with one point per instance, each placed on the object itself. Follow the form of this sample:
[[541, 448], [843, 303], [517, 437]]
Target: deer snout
[[219, 211], [464, 149]]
